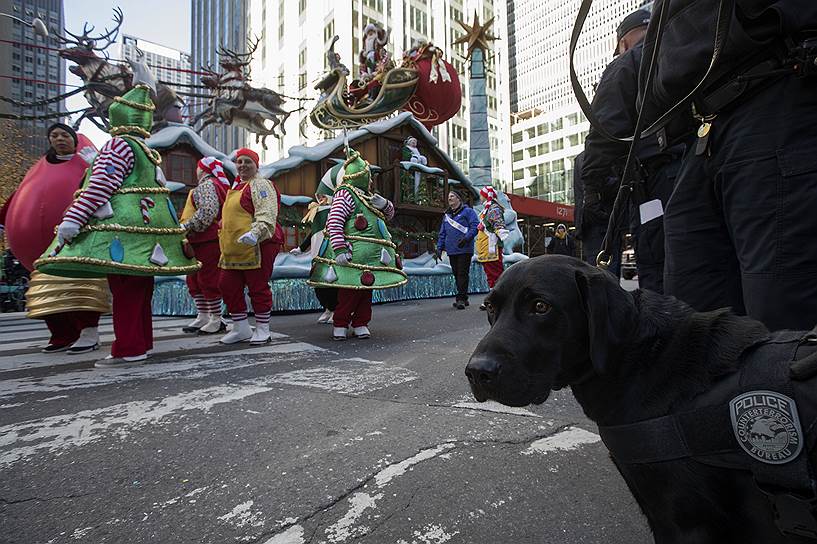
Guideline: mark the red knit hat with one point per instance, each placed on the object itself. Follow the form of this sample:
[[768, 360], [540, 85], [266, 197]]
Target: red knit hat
[[488, 193], [246, 152], [215, 168]]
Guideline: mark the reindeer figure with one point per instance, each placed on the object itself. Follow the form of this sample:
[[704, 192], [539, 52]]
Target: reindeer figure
[[234, 102], [105, 80]]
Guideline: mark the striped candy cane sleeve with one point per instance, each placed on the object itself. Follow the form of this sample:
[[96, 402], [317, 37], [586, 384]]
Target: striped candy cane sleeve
[[112, 166]]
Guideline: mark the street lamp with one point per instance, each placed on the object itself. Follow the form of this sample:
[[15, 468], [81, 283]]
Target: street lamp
[[37, 24]]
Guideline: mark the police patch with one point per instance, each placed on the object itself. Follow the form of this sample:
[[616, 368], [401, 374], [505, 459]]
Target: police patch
[[766, 426]]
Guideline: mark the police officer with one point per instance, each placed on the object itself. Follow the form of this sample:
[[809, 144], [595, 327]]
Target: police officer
[[614, 106], [741, 223]]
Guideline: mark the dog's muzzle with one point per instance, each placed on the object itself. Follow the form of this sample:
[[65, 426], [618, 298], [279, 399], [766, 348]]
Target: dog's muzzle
[[482, 373]]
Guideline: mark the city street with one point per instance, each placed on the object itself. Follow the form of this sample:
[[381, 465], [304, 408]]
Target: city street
[[303, 440]]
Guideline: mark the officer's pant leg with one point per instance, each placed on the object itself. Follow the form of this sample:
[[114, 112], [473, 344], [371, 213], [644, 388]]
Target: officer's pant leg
[[768, 190], [700, 267]]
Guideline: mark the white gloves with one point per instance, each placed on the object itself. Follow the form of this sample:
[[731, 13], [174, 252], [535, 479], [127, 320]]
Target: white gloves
[[67, 231], [379, 202], [248, 238], [88, 154], [105, 211], [343, 258], [295, 251], [503, 234]]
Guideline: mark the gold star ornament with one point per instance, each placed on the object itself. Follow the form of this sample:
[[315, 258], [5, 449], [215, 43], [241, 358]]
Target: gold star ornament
[[476, 35]]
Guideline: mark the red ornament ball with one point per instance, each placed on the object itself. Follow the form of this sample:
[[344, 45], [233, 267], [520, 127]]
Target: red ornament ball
[[367, 278], [360, 222]]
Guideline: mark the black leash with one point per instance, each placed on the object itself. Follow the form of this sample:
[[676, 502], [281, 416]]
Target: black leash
[[725, 10]]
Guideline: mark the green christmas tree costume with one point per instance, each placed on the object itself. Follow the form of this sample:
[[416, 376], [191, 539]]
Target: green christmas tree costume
[[375, 264], [143, 237]]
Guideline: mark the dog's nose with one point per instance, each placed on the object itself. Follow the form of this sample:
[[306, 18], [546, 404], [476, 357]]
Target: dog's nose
[[482, 371]]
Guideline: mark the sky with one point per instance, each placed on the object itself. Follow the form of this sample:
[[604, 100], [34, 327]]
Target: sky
[[166, 22]]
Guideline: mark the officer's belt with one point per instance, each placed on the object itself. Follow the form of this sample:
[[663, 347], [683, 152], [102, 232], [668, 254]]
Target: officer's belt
[[716, 99], [705, 434]]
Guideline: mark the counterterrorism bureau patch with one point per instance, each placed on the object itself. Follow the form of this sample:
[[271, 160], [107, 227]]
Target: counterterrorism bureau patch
[[767, 426]]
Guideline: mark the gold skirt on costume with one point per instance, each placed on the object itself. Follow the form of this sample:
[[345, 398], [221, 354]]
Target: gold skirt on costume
[[48, 295]]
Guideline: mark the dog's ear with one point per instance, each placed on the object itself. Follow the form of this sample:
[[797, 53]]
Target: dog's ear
[[598, 293]]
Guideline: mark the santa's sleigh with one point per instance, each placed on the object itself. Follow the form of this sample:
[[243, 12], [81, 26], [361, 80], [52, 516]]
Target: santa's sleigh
[[340, 107]]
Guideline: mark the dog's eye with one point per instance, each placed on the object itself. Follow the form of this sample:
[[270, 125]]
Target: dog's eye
[[490, 308], [541, 307]]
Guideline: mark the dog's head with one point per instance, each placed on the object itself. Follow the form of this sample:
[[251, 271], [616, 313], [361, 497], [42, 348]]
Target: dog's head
[[555, 321]]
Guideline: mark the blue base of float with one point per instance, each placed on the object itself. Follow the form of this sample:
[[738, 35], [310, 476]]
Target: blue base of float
[[170, 296]]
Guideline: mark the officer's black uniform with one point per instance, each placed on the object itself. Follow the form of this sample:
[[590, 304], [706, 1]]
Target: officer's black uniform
[[741, 225], [614, 105]]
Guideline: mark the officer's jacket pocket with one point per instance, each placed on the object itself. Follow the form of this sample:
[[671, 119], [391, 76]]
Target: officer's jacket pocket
[[795, 162]]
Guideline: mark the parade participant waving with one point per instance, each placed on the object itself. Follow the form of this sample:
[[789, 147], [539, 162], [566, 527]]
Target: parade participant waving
[[70, 307], [123, 226], [249, 239], [316, 216], [456, 238], [492, 233], [359, 255], [200, 218]]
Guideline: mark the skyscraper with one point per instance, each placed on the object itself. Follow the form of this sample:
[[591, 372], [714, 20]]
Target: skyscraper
[[37, 73], [547, 125], [295, 37], [217, 23]]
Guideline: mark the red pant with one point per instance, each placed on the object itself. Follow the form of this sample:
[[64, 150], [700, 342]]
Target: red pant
[[493, 270], [132, 315], [354, 306], [205, 281], [65, 327], [232, 282]]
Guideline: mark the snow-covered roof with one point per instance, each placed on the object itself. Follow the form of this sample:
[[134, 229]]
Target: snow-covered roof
[[299, 154], [176, 133]]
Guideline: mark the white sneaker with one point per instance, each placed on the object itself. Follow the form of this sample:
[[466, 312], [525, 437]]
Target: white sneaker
[[239, 332], [326, 316], [200, 321], [261, 335], [121, 362], [339, 333], [214, 324], [362, 332]]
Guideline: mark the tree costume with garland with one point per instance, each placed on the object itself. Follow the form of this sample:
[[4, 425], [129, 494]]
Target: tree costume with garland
[[492, 233], [123, 226], [359, 255], [317, 214]]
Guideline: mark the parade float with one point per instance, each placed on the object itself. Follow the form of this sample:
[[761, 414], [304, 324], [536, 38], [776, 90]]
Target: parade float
[[386, 112]]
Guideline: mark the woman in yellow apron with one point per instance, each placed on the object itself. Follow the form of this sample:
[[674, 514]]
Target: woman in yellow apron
[[249, 240]]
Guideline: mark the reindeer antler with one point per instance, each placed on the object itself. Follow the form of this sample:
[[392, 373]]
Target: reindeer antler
[[87, 41]]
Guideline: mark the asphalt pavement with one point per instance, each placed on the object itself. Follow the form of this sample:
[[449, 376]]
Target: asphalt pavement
[[303, 440]]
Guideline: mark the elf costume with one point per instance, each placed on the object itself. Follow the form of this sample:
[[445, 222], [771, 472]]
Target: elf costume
[[123, 226], [492, 233], [249, 239], [359, 255], [201, 218], [316, 216]]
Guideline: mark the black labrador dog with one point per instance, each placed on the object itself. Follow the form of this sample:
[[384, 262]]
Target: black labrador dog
[[630, 357]]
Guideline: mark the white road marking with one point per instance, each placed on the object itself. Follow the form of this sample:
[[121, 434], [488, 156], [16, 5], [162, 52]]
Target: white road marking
[[242, 515], [57, 434], [347, 380], [189, 368], [293, 535], [569, 439], [493, 406]]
